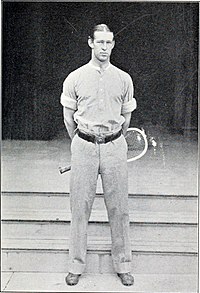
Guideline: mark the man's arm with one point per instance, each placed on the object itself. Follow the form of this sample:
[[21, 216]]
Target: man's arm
[[126, 123], [129, 103], [69, 121]]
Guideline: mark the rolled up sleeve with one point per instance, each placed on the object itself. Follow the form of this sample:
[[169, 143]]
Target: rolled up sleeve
[[129, 103], [129, 106], [68, 97]]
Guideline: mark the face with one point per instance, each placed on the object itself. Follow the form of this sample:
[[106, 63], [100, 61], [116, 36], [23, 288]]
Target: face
[[102, 45]]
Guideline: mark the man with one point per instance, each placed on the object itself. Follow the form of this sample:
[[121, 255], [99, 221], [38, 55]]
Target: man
[[97, 101]]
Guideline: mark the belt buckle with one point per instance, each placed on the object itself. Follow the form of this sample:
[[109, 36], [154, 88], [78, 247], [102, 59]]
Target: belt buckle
[[99, 139]]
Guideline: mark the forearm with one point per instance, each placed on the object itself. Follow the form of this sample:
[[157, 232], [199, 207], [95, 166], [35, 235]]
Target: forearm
[[69, 121], [71, 129], [126, 123]]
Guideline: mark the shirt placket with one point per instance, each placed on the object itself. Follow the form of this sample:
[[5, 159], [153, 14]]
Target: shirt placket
[[101, 98]]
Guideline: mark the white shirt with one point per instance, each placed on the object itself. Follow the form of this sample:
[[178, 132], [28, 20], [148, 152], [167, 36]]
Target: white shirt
[[98, 98]]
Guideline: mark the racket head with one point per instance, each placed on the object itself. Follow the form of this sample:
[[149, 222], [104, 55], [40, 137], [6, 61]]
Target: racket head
[[137, 143]]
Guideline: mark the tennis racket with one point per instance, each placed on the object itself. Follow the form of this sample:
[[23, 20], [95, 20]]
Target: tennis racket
[[137, 146]]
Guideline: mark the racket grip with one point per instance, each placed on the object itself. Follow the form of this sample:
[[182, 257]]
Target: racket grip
[[64, 169]]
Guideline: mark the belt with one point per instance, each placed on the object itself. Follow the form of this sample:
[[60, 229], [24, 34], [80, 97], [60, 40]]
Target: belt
[[99, 138]]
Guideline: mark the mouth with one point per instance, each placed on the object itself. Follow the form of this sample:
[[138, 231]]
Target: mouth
[[103, 53]]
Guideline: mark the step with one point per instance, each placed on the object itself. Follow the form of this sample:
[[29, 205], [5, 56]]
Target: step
[[35, 229], [52, 255], [55, 282], [50, 223], [98, 244], [155, 217], [60, 201], [139, 231]]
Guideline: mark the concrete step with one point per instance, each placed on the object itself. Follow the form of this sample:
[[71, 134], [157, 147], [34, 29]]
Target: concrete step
[[24, 221], [35, 229], [51, 255], [60, 201], [185, 234], [53, 215], [55, 282], [99, 244]]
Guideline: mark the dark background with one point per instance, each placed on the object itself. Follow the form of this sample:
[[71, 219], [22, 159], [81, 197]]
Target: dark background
[[156, 43]]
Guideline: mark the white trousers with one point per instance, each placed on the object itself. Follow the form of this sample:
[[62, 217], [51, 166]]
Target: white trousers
[[87, 162]]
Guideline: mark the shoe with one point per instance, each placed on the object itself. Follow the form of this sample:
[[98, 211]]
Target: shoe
[[126, 278], [72, 279]]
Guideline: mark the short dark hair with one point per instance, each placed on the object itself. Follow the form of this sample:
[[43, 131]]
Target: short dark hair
[[99, 28]]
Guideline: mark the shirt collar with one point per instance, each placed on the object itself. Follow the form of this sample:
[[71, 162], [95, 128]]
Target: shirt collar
[[98, 67]]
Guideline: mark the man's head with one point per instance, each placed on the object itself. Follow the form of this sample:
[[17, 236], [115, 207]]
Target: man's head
[[101, 41]]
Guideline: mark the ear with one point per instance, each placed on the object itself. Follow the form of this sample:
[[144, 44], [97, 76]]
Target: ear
[[90, 43], [113, 44]]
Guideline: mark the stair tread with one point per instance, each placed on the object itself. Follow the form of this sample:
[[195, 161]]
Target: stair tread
[[66, 194], [99, 216], [55, 282], [98, 244]]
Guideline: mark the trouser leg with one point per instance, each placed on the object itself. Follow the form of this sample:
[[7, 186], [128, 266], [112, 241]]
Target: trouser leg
[[113, 168], [83, 180]]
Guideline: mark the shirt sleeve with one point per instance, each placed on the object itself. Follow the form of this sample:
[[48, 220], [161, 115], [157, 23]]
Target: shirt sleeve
[[129, 103], [68, 97]]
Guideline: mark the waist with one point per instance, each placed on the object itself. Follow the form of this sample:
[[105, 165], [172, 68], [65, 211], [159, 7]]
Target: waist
[[92, 125], [99, 139]]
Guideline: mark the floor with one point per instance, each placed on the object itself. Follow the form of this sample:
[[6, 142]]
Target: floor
[[55, 282], [170, 168]]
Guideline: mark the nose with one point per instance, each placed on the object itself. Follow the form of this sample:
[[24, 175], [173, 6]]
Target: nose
[[104, 46]]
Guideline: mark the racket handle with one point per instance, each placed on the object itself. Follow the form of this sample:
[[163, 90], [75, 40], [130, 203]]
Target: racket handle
[[64, 169]]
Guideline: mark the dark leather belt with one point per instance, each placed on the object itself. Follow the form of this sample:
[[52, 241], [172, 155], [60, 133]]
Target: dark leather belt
[[99, 138]]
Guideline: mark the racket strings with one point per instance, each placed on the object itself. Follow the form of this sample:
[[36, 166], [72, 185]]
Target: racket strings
[[136, 142]]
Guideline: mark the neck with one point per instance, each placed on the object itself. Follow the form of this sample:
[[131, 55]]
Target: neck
[[98, 63]]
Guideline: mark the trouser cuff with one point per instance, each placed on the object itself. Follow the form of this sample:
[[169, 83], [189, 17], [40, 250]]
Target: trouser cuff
[[76, 268], [124, 267]]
